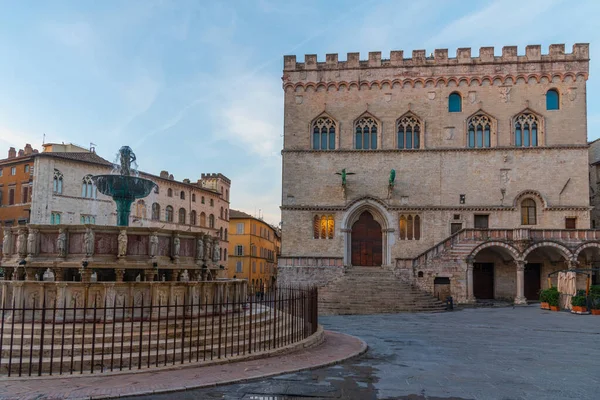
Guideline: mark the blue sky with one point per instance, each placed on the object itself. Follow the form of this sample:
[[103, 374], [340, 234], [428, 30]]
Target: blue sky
[[194, 86]]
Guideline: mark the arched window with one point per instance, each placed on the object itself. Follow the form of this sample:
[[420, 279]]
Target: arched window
[[88, 189], [221, 233], [182, 195], [323, 133], [454, 102], [227, 194], [212, 202], [57, 186], [410, 227], [527, 129], [140, 209], [202, 219], [221, 212], [211, 221], [225, 213], [202, 200], [193, 217], [552, 100], [226, 236], [182, 215], [194, 197], [155, 211], [528, 212], [156, 189], [365, 136], [479, 131], [225, 254], [170, 192], [169, 214], [323, 227], [409, 128]]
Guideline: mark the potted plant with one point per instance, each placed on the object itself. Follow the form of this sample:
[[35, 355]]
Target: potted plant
[[595, 299], [552, 297], [544, 300], [579, 304]]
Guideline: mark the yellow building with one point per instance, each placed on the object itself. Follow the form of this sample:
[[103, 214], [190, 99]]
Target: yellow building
[[253, 249]]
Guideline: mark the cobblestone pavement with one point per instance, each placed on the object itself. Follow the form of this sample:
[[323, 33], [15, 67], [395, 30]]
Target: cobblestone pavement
[[502, 353]]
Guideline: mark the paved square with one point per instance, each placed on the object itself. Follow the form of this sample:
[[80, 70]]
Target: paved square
[[501, 353]]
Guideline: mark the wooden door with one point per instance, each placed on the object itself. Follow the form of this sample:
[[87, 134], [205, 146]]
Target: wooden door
[[366, 241], [532, 281], [483, 280]]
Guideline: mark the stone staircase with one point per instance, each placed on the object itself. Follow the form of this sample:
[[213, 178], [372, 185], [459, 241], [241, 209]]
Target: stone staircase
[[372, 290]]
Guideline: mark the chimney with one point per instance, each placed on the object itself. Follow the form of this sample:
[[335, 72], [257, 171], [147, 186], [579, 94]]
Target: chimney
[[28, 149], [21, 153], [164, 174], [12, 153]]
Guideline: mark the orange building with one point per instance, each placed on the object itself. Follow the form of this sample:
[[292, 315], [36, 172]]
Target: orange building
[[16, 179]]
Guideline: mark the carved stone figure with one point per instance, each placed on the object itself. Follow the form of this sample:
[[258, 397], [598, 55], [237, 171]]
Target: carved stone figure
[[200, 247], [153, 244], [61, 242], [88, 241], [31, 242], [176, 246], [6, 242], [207, 248], [216, 251], [122, 243], [22, 243], [185, 276], [504, 93]]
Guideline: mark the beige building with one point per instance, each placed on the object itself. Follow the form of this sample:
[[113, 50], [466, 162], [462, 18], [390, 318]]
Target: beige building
[[385, 158], [63, 193]]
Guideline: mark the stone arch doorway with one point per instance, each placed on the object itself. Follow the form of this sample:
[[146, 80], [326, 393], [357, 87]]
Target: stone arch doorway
[[367, 242]]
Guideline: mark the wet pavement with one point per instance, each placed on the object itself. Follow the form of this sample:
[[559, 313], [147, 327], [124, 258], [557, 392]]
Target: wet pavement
[[501, 353]]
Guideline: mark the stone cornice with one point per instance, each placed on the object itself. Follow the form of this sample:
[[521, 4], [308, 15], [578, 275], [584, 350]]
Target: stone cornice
[[430, 208], [443, 149]]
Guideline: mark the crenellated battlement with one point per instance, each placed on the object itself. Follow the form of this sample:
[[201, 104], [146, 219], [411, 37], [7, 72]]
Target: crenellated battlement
[[214, 176], [533, 54]]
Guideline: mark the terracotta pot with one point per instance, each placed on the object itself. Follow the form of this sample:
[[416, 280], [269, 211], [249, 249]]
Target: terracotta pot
[[595, 312], [579, 309], [545, 306], [554, 308]]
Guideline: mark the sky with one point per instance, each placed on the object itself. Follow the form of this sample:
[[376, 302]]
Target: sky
[[195, 86]]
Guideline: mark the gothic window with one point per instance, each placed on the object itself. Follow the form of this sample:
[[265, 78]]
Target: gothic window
[[140, 209], [221, 212], [323, 133], [225, 213], [87, 219], [225, 253], [226, 236], [57, 182], [410, 227], [55, 218], [365, 137], [170, 192], [202, 219], [528, 212], [193, 217], [527, 129], [409, 128], [169, 214], [212, 202], [88, 189], [479, 131], [552, 100], [221, 233], [181, 215], [454, 102], [182, 195], [227, 194], [323, 227], [155, 211], [211, 221]]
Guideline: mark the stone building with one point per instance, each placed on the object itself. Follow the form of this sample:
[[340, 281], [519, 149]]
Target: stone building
[[62, 192], [253, 249], [386, 159]]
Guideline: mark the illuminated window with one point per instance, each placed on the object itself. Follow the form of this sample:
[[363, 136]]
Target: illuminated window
[[528, 212], [323, 227], [410, 227]]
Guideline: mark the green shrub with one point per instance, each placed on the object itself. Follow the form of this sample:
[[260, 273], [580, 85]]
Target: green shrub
[[595, 301], [595, 290], [578, 301], [543, 296], [552, 296]]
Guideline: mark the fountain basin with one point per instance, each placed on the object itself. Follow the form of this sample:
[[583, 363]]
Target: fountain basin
[[125, 187]]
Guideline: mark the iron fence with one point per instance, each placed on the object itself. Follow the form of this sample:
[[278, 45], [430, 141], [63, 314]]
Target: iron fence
[[96, 338]]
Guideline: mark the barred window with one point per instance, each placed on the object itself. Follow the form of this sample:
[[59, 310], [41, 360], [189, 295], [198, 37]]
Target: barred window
[[479, 131], [323, 227], [410, 227], [409, 128], [323, 133], [365, 137], [527, 129]]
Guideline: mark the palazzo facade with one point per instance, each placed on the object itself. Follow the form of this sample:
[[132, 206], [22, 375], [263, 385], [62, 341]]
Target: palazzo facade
[[384, 159]]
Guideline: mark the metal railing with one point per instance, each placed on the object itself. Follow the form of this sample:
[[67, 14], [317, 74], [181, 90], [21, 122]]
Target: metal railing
[[63, 339]]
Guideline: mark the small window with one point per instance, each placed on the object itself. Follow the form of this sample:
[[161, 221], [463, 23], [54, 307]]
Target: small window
[[156, 211], [13, 170], [194, 197], [240, 228], [169, 213], [570, 223], [170, 192], [11, 197], [528, 212], [55, 218], [211, 221], [212, 202], [221, 213], [156, 190], [202, 219], [238, 266], [239, 250], [182, 195], [454, 102], [25, 195], [482, 221], [410, 227], [0, 171], [455, 227], [253, 267], [182, 215], [225, 235], [202, 200], [193, 218], [552, 99], [87, 219], [27, 168], [57, 182]]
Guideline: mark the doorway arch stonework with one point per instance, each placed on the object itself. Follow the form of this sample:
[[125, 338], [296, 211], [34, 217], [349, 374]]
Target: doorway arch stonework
[[381, 216]]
